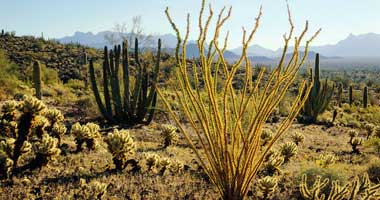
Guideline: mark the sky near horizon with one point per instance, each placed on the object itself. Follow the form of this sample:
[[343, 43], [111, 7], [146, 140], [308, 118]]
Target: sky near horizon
[[337, 18]]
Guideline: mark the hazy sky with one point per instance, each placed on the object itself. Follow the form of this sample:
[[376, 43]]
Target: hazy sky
[[337, 18]]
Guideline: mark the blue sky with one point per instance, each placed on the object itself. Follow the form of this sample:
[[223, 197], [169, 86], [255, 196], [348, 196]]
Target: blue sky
[[337, 18]]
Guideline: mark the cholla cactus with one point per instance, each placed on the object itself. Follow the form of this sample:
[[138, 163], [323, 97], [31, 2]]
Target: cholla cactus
[[298, 137], [165, 164], [176, 167], [54, 115], [288, 150], [169, 134], [9, 110], [266, 136], [355, 142], [326, 160], [88, 134], [7, 146], [46, 151], [58, 131], [39, 124], [5, 167], [352, 133], [91, 190], [377, 131], [273, 163], [267, 185], [32, 105], [370, 128], [152, 160], [120, 145]]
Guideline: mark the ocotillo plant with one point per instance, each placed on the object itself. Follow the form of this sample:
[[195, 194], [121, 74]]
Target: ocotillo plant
[[37, 79], [351, 99], [365, 97], [319, 98], [225, 121], [137, 104]]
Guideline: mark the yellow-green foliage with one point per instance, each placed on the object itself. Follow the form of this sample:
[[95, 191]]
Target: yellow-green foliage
[[121, 145], [169, 135], [91, 190], [227, 122]]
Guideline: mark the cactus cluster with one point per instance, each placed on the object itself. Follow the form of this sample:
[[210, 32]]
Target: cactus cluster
[[86, 134], [120, 144], [26, 127], [359, 188], [136, 105], [169, 135], [318, 99], [154, 161]]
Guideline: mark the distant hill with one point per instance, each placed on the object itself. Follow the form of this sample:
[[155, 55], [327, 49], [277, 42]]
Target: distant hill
[[365, 45], [66, 58]]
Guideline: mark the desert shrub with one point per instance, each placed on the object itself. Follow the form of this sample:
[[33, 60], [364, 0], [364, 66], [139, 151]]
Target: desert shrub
[[373, 143], [120, 144], [229, 118]]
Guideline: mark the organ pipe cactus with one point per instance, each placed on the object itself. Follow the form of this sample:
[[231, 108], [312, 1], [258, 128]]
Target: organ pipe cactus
[[37, 79], [136, 105], [319, 97]]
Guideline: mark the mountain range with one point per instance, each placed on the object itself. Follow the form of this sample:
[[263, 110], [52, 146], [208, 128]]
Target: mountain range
[[364, 45]]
